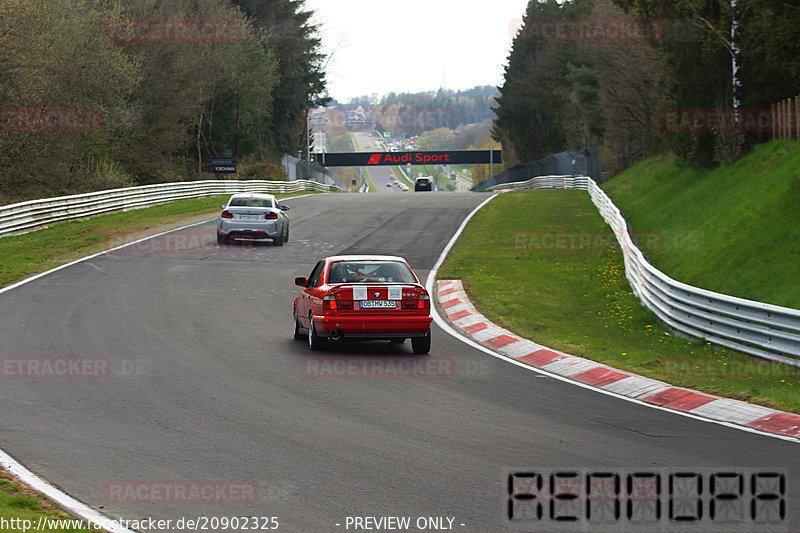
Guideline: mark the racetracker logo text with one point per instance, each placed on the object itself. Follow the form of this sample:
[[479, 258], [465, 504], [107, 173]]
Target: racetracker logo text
[[587, 241], [50, 119], [188, 241], [597, 30], [431, 367], [58, 367], [716, 120], [589, 30], [181, 492]]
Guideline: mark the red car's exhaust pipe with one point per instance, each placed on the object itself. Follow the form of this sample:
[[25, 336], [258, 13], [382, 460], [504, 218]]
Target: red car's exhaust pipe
[[335, 335]]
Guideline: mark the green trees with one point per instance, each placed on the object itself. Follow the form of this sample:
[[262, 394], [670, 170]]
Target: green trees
[[411, 114], [437, 139], [165, 84], [286, 30], [55, 68], [533, 99], [562, 94]]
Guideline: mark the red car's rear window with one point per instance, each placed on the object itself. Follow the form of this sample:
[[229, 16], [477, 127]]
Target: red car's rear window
[[370, 272]]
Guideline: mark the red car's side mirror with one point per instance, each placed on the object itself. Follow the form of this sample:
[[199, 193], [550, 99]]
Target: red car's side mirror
[[302, 282]]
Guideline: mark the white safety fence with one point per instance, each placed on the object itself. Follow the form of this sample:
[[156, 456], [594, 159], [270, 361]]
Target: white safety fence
[[763, 330], [544, 182], [34, 214]]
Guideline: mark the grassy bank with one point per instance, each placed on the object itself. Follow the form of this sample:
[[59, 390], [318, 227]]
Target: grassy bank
[[577, 299], [401, 177], [22, 256], [741, 221]]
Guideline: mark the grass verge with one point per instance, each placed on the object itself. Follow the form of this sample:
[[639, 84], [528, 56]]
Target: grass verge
[[370, 185], [524, 273], [22, 256], [401, 177], [741, 220], [18, 504]]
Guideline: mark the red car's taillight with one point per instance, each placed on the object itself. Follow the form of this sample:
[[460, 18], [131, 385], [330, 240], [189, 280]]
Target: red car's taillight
[[226, 214], [331, 303], [271, 216], [424, 302]]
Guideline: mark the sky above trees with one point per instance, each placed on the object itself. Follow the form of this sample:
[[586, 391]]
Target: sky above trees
[[414, 45]]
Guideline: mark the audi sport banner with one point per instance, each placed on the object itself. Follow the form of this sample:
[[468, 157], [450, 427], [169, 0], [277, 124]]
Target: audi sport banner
[[451, 157]]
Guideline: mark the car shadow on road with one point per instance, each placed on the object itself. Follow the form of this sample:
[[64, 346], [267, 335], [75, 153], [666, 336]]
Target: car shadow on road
[[246, 243], [366, 349]]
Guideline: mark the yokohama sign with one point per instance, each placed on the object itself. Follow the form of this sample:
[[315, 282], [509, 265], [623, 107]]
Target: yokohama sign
[[451, 157]]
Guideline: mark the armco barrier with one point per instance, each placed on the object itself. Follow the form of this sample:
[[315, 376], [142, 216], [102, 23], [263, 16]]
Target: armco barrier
[[763, 330], [34, 214]]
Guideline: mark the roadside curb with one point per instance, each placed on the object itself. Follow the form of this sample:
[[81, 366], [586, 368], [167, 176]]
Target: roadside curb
[[462, 315]]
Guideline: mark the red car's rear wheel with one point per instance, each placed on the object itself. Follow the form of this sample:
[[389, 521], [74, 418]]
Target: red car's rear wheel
[[315, 342], [421, 345]]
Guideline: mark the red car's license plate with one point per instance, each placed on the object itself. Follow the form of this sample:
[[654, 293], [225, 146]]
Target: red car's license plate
[[377, 304]]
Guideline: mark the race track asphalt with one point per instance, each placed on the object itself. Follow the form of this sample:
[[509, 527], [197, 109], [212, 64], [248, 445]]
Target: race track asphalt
[[207, 384]]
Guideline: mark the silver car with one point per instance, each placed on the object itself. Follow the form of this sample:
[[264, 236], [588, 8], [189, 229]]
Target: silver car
[[253, 216]]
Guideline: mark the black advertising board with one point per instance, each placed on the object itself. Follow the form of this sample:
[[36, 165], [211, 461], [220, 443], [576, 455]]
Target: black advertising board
[[222, 165], [448, 157]]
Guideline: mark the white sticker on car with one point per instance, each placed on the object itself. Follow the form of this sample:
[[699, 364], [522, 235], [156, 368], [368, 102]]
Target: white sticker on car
[[395, 293], [359, 293]]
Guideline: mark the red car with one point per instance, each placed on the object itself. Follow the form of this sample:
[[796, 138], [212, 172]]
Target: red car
[[363, 297]]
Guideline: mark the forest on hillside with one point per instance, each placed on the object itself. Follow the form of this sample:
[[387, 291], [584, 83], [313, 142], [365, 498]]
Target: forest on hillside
[[637, 77], [410, 114], [108, 93]]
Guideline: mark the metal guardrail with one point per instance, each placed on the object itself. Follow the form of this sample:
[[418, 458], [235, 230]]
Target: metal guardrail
[[763, 330], [35, 214], [544, 182]]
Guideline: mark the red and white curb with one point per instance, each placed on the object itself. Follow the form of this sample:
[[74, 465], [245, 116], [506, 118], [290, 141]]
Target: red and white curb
[[460, 312]]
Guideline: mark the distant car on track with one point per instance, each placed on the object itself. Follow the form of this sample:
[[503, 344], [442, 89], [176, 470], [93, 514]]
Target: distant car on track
[[362, 297], [423, 184], [253, 216]]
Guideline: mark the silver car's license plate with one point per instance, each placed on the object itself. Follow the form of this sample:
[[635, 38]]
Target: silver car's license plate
[[249, 217], [377, 304]]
